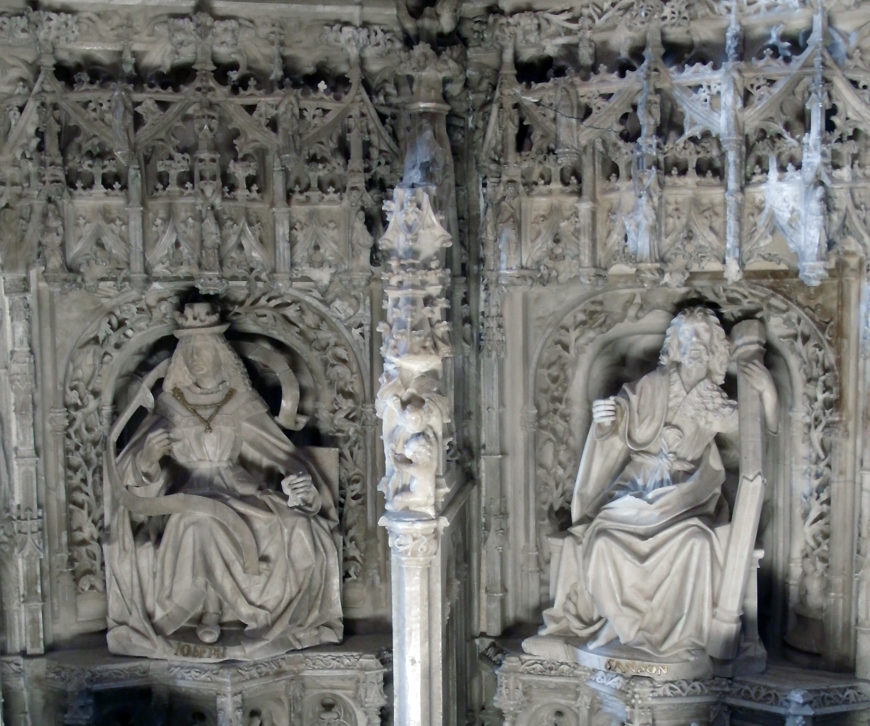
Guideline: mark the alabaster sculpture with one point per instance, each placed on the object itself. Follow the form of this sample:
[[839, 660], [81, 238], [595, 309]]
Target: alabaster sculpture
[[642, 564], [222, 533]]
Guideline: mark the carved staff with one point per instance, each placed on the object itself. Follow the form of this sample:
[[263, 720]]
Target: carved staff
[[749, 339]]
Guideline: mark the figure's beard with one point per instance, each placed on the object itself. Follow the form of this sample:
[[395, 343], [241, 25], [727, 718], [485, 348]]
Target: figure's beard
[[693, 370]]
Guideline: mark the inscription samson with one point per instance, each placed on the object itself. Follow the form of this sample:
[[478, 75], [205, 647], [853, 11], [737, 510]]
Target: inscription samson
[[635, 668]]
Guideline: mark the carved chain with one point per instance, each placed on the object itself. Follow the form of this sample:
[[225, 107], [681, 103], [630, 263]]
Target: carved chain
[[206, 421]]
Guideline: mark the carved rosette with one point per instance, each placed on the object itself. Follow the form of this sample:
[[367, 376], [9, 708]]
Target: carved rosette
[[416, 339]]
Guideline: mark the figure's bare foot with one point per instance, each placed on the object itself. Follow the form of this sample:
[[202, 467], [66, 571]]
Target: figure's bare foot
[[209, 629]]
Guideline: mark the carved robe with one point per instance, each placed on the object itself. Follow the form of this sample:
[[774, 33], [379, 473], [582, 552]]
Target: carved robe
[[159, 573], [643, 558]]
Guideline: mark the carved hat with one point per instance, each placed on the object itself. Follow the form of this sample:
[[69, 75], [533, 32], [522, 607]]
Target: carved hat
[[199, 318]]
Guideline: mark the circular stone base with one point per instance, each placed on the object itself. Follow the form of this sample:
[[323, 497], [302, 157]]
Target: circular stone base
[[615, 658]]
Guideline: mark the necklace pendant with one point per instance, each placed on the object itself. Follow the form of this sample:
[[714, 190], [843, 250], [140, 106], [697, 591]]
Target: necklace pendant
[[207, 427]]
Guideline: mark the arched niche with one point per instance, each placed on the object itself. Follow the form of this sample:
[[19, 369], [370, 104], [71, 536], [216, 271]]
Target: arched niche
[[132, 335], [609, 338]]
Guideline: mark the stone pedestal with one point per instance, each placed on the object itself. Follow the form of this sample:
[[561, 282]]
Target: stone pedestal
[[534, 691], [337, 685]]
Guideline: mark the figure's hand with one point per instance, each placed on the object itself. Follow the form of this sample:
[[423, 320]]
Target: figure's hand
[[300, 490], [604, 411], [157, 445]]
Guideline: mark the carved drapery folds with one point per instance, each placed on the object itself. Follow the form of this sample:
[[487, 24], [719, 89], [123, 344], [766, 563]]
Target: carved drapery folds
[[568, 355], [213, 155], [114, 343]]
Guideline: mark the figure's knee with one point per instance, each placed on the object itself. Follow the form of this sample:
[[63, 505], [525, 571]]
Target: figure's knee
[[697, 539]]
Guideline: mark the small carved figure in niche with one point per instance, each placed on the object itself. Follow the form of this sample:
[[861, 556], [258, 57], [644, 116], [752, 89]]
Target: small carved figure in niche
[[53, 240], [233, 553], [508, 226], [644, 555], [211, 239], [414, 418], [122, 123]]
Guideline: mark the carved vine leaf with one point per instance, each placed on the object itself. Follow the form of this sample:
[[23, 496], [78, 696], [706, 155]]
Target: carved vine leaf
[[806, 342], [558, 444]]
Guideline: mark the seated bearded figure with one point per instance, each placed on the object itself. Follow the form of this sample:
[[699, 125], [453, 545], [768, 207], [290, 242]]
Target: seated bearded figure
[[231, 561], [642, 561]]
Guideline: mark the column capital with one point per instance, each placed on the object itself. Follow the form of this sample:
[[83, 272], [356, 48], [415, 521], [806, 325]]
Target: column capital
[[413, 538]]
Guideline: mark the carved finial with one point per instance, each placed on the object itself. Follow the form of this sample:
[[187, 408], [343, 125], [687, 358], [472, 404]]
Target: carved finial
[[733, 35]]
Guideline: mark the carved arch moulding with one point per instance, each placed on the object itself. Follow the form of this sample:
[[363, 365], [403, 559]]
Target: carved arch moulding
[[335, 396], [588, 344]]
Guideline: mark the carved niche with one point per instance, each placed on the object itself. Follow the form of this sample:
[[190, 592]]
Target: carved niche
[[102, 370], [806, 374]]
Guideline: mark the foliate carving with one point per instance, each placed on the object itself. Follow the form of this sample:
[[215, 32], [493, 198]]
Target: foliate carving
[[84, 442], [639, 141], [534, 666], [287, 319], [342, 397], [558, 444], [176, 249], [686, 688], [558, 441], [414, 544], [205, 415], [319, 236], [333, 661], [161, 171], [811, 351], [620, 467], [101, 245], [416, 338]]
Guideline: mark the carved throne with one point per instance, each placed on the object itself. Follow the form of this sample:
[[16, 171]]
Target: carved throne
[[324, 460], [734, 646]]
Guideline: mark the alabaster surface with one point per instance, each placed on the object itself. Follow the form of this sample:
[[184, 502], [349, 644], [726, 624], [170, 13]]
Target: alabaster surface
[[643, 560], [206, 555]]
